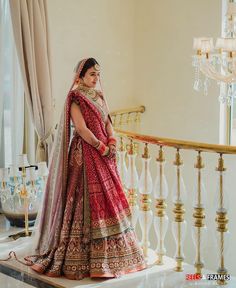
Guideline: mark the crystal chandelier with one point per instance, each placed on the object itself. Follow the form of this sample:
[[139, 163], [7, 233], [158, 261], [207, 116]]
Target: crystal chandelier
[[21, 191], [218, 62]]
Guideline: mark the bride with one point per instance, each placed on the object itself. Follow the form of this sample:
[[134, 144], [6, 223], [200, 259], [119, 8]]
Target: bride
[[85, 228]]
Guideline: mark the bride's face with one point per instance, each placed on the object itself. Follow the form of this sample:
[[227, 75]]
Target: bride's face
[[91, 77]]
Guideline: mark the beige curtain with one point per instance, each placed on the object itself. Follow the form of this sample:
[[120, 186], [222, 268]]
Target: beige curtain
[[30, 139], [30, 27]]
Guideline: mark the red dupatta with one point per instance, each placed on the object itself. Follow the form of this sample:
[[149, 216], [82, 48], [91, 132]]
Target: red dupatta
[[109, 208], [108, 204]]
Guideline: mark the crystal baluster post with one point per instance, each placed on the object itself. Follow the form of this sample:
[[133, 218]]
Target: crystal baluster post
[[145, 189], [132, 182], [161, 219], [199, 229], [179, 224]]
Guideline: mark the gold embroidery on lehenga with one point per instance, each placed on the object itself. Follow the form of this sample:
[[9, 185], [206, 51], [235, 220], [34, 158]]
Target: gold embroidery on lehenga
[[99, 248]]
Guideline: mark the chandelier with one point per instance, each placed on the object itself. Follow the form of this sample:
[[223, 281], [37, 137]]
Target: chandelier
[[218, 62], [21, 191]]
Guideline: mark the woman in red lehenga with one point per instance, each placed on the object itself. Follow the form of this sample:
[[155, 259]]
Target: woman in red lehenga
[[85, 228]]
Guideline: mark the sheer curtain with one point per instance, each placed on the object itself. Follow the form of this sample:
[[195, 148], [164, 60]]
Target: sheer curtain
[[30, 29], [11, 93]]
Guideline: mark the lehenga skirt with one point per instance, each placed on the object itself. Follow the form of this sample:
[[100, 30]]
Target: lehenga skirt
[[79, 254]]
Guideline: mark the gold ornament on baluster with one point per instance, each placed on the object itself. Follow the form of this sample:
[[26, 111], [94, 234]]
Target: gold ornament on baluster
[[132, 197], [137, 121], [160, 203], [179, 212], [128, 120], [122, 145], [222, 221], [121, 120], [178, 162], [199, 215], [132, 193], [160, 212], [145, 204], [114, 121], [146, 155], [136, 148], [136, 117], [132, 182], [160, 157], [130, 147]]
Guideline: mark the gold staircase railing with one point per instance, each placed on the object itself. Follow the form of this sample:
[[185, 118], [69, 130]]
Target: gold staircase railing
[[178, 144], [144, 184], [127, 116]]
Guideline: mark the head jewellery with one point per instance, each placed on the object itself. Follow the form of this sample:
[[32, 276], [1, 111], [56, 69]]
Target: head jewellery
[[80, 66], [97, 67]]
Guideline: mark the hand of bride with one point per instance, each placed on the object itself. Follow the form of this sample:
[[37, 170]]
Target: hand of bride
[[112, 151], [112, 146], [102, 148]]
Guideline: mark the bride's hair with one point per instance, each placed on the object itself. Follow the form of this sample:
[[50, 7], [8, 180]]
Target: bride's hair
[[90, 62]]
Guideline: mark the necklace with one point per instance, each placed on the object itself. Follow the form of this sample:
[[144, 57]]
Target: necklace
[[87, 90], [95, 97], [90, 92]]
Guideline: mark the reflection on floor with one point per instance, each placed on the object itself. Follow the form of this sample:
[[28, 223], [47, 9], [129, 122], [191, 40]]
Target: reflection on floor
[[8, 282], [16, 275]]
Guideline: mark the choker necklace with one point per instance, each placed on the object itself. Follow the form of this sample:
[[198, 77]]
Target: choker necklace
[[91, 92], [87, 90]]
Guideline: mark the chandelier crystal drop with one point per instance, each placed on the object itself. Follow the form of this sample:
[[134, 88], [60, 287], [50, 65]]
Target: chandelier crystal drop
[[217, 62]]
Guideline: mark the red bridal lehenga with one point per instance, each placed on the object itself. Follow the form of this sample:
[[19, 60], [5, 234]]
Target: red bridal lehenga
[[85, 228]]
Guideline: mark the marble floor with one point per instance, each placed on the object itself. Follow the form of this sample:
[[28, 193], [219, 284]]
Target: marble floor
[[16, 275], [153, 277]]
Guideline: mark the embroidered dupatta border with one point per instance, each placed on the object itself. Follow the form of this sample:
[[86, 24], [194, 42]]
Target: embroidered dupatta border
[[106, 227]]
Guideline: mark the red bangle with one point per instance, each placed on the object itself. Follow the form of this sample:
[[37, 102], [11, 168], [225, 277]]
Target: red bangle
[[112, 141], [102, 148]]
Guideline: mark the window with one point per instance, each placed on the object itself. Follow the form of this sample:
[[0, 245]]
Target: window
[[11, 93]]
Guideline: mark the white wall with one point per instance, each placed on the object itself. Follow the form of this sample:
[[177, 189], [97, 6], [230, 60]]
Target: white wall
[[163, 41], [145, 48], [89, 28], [164, 32]]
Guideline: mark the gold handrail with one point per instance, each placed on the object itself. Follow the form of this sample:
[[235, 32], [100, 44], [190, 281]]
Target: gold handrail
[[179, 144], [140, 109]]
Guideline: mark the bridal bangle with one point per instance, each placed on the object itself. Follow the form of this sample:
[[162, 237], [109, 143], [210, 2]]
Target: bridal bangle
[[102, 148], [112, 141]]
